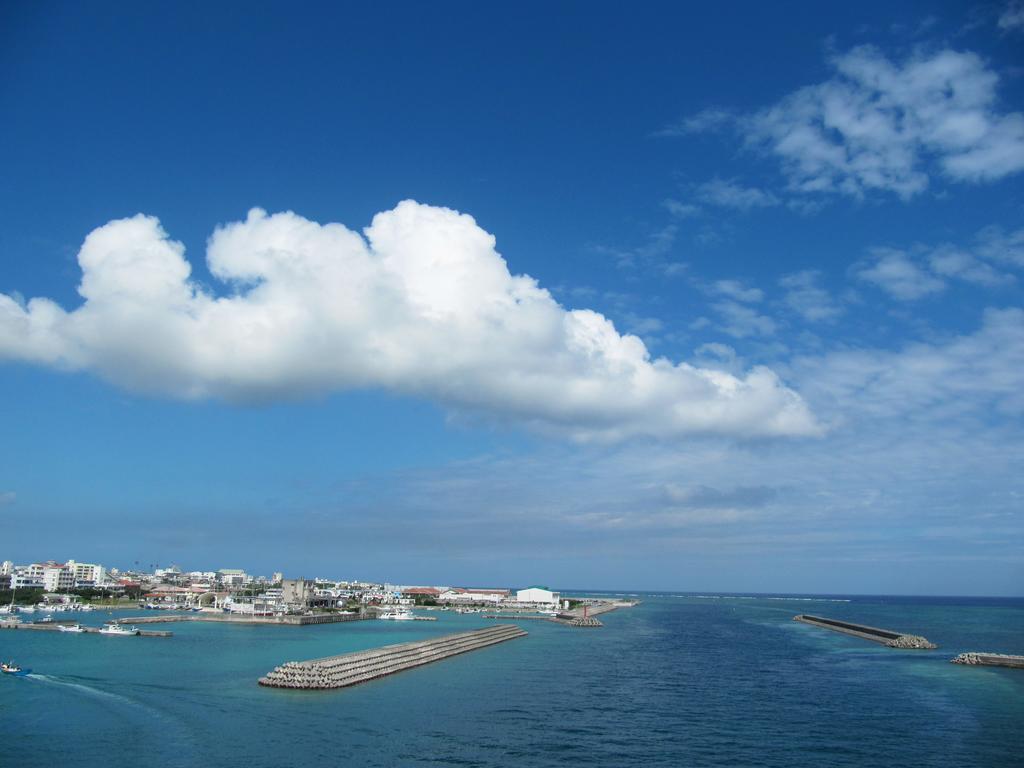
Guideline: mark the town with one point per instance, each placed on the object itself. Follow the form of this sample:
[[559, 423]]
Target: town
[[74, 585]]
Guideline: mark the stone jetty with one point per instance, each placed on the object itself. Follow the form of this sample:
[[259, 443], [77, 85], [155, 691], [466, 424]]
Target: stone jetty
[[886, 637], [978, 658], [352, 668]]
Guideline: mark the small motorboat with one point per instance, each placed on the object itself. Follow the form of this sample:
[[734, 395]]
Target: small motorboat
[[10, 668], [118, 630], [70, 628], [397, 616]]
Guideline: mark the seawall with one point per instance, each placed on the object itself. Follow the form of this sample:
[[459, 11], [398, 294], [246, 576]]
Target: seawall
[[353, 668], [886, 637]]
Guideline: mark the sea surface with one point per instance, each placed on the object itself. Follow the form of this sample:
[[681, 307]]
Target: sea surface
[[680, 680]]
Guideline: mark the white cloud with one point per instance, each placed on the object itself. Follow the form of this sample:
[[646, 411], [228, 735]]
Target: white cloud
[[883, 125], [805, 296], [1003, 247], [710, 119], [895, 273], [680, 210], [729, 194], [736, 290], [966, 374], [423, 305], [954, 262], [741, 321], [1012, 17]]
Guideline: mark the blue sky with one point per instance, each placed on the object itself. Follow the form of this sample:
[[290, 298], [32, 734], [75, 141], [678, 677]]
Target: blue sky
[[663, 297]]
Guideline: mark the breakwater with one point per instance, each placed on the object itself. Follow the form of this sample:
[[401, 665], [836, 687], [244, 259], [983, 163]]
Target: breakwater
[[353, 668], [977, 658], [55, 627], [886, 637]]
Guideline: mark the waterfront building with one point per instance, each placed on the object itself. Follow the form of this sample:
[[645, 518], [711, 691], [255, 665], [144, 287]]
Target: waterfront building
[[462, 595], [6, 568], [24, 579], [87, 574], [297, 592], [57, 577], [538, 595], [233, 577]]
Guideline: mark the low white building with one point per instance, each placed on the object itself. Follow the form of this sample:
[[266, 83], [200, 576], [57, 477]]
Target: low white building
[[460, 595], [26, 580], [538, 596]]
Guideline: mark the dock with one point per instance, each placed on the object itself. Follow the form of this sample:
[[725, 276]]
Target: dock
[[55, 627], [886, 637], [362, 666], [979, 658]]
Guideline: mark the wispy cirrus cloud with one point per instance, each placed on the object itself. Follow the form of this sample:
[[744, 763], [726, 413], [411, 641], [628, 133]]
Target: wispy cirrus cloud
[[1012, 17], [805, 296], [731, 194]]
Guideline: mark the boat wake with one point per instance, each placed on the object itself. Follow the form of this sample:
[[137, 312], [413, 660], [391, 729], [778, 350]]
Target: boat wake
[[86, 689]]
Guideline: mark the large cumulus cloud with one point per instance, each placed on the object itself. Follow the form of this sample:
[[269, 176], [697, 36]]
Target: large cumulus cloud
[[420, 304]]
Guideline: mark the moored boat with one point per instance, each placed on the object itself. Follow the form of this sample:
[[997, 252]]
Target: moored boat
[[70, 628], [401, 615], [118, 630]]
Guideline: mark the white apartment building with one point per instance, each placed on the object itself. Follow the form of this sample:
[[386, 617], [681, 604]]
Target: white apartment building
[[58, 578], [87, 574]]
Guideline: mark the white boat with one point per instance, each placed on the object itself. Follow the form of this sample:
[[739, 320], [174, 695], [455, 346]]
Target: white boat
[[117, 629], [70, 628], [397, 616], [27, 609]]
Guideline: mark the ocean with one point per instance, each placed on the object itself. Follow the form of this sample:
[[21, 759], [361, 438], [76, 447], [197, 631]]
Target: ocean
[[679, 680]]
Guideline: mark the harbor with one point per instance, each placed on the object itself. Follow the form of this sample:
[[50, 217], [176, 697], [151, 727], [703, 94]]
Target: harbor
[[362, 666], [886, 637]]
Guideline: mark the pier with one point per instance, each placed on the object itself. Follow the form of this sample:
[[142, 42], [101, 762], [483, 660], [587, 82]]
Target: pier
[[55, 627], [978, 658], [886, 637], [362, 666]]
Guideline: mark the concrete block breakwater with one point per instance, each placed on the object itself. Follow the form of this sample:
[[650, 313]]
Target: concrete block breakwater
[[361, 666], [976, 658], [886, 637]]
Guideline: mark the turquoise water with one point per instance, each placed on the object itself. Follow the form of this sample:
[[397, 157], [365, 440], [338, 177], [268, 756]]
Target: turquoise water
[[676, 681]]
